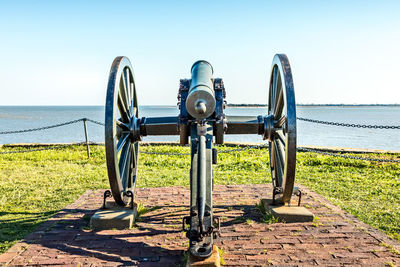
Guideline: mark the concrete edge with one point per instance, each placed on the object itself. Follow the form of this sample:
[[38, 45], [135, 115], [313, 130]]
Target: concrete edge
[[286, 213], [114, 217]]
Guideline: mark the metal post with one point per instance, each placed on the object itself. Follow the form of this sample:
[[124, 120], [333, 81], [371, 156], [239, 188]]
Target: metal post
[[86, 137]]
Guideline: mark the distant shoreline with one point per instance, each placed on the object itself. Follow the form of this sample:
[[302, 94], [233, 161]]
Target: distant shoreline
[[228, 105], [320, 105]]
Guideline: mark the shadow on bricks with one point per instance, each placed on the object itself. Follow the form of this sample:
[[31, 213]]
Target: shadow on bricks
[[140, 245], [235, 214], [337, 238], [16, 229]]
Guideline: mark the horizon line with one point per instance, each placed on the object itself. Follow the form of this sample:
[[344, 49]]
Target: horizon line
[[229, 105]]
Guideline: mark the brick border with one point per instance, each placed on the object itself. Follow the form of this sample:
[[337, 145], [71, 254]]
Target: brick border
[[338, 238], [375, 233]]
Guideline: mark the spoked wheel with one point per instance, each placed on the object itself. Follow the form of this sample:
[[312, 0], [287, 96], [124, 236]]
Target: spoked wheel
[[282, 134], [122, 130]]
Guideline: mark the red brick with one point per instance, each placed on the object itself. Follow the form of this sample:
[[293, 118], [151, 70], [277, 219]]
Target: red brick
[[7, 257], [337, 242]]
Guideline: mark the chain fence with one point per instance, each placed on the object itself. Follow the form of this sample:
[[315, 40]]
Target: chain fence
[[306, 149], [265, 146], [164, 153], [219, 151], [42, 128], [300, 149], [365, 126], [95, 122], [42, 148]]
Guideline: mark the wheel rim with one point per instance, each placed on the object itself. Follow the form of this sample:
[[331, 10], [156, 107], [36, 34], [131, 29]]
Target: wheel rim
[[121, 130], [282, 144]]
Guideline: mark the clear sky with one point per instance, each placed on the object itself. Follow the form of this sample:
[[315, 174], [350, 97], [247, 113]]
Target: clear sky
[[60, 52]]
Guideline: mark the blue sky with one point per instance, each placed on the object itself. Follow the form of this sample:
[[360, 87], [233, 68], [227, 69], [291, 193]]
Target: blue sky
[[60, 52]]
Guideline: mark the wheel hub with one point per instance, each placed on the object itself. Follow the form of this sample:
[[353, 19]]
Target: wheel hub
[[269, 129], [134, 129]]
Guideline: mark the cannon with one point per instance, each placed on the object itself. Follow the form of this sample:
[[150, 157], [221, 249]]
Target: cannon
[[201, 122]]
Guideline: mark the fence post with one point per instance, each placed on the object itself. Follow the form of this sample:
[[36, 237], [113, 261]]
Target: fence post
[[86, 137]]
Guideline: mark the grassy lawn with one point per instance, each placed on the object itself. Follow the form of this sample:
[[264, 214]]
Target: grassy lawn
[[34, 186]]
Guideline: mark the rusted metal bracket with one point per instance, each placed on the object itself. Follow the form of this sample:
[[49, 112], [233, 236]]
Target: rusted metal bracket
[[129, 193], [297, 192], [276, 191], [106, 195]]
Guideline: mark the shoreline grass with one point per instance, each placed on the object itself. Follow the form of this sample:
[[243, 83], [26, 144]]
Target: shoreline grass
[[34, 186]]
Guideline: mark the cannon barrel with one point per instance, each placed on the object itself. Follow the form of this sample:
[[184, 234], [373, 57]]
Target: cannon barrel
[[201, 102]]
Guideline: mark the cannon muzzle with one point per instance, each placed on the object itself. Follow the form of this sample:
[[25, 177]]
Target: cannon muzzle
[[201, 102]]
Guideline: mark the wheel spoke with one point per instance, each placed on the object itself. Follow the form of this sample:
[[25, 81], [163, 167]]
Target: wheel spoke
[[279, 123], [281, 137], [278, 102], [134, 111], [283, 155], [124, 163], [127, 86], [135, 149], [280, 162], [273, 88], [123, 96], [127, 172], [128, 90], [124, 89], [134, 153], [122, 141], [132, 99], [122, 125], [135, 102], [272, 162], [122, 108]]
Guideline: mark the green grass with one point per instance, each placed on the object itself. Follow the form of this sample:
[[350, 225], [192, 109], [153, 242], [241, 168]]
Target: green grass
[[268, 218], [368, 190], [34, 186]]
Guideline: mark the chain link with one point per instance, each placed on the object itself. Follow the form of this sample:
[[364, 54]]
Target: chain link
[[302, 149], [219, 151], [299, 118], [41, 149], [243, 148], [164, 153], [350, 124], [42, 128], [299, 149], [52, 126], [95, 122]]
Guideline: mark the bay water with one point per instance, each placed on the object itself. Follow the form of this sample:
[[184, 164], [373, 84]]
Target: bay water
[[25, 117]]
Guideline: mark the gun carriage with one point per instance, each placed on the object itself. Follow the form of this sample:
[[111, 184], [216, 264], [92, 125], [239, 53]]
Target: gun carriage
[[200, 123]]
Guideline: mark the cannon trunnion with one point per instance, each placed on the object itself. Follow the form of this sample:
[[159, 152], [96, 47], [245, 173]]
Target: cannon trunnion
[[200, 122]]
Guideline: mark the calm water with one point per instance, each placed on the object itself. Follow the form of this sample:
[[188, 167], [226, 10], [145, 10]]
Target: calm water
[[16, 118]]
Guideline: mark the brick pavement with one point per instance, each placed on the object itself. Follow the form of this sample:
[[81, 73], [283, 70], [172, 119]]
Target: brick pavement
[[337, 239]]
